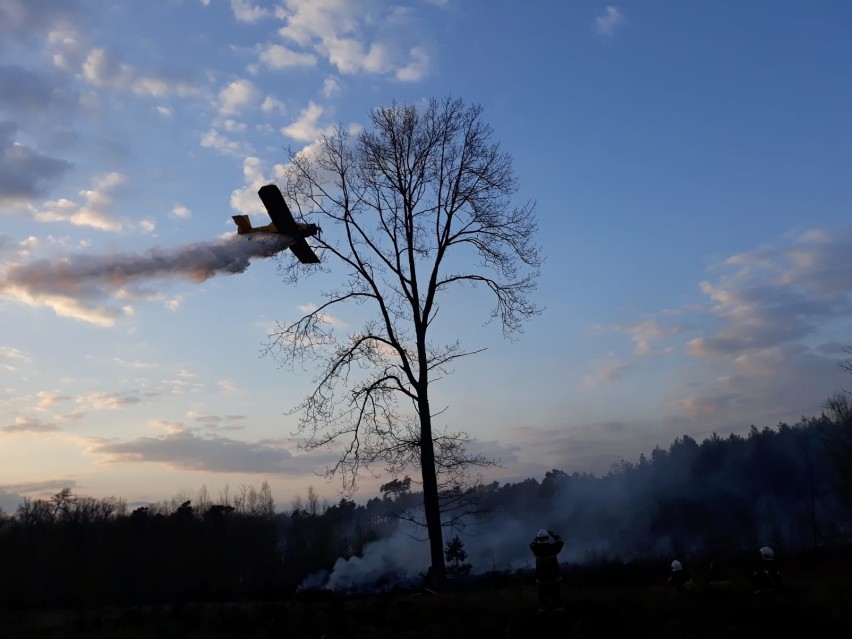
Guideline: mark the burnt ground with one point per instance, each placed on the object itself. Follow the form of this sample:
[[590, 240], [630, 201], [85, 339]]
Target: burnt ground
[[614, 601]]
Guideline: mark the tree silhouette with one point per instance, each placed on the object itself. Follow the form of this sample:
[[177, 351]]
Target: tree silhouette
[[416, 206]]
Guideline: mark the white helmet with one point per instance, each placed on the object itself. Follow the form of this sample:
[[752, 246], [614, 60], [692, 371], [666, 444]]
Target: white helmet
[[542, 534], [767, 553], [676, 566]]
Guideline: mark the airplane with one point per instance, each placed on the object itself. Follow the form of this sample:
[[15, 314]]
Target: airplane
[[282, 224]]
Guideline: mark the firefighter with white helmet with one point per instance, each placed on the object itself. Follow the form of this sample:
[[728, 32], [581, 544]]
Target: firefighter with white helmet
[[680, 579], [547, 573], [766, 577]]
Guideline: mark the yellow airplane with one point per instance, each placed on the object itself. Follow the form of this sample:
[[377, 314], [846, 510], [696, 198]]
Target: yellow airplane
[[282, 224]]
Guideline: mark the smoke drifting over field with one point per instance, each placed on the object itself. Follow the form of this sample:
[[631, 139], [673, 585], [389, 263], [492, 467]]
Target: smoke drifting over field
[[690, 502], [97, 288]]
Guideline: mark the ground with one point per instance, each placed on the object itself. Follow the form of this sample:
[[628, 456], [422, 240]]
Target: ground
[[611, 601]]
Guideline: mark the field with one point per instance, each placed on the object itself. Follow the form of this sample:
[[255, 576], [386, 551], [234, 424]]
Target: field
[[604, 601]]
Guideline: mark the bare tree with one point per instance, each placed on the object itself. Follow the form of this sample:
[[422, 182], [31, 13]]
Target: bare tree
[[416, 206]]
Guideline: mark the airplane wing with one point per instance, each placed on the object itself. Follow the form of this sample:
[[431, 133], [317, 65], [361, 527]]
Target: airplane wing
[[303, 251], [278, 210]]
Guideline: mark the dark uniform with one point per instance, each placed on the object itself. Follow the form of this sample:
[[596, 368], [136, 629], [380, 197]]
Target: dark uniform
[[680, 579], [766, 576], [547, 574]]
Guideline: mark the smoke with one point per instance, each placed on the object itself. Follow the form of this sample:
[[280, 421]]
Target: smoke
[[598, 519], [91, 287]]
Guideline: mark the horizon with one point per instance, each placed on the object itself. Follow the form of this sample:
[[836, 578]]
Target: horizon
[[689, 165]]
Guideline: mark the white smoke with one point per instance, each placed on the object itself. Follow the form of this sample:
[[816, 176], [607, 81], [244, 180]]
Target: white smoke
[[92, 287]]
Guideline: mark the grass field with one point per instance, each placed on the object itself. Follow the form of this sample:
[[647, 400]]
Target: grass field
[[603, 602]]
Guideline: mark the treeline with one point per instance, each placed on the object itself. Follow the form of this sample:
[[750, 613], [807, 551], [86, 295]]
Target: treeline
[[786, 486], [73, 550]]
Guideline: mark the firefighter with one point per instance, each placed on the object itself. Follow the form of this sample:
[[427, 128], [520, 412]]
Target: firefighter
[[766, 576], [680, 579], [547, 574]]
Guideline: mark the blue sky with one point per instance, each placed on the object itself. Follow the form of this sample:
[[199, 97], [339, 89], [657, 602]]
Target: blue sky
[[690, 164]]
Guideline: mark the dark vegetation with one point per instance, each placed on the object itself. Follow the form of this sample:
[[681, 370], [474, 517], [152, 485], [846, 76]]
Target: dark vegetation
[[175, 568]]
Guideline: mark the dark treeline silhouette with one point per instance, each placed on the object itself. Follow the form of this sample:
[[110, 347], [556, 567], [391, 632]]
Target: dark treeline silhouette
[[782, 486]]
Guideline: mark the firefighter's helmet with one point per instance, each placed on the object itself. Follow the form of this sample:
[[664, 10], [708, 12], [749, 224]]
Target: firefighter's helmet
[[767, 553], [676, 566]]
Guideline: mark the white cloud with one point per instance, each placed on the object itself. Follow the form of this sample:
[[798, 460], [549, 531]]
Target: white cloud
[[276, 56], [10, 357], [330, 87], [271, 104], [245, 200], [356, 41], [181, 211], [246, 11], [103, 71], [237, 96], [94, 211], [607, 23], [212, 139], [234, 126], [304, 128], [417, 68], [166, 112]]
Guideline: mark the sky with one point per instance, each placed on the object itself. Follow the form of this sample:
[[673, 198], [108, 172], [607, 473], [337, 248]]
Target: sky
[[689, 162]]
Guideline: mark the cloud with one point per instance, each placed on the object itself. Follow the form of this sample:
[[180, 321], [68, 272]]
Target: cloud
[[780, 383], [304, 128], [271, 104], [23, 92], [29, 425], [103, 71], [25, 174], [94, 211], [245, 200], [21, 19], [356, 41], [245, 11], [237, 96], [651, 330], [330, 87], [607, 23], [276, 56], [228, 386], [10, 357], [87, 287], [112, 401], [224, 145], [586, 446], [778, 294], [179, 210], [772, 332], [184, 449], [11, 495], [608, 369], [417, 68]]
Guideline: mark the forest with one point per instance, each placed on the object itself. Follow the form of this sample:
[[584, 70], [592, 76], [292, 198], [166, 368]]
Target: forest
[[786, 486]]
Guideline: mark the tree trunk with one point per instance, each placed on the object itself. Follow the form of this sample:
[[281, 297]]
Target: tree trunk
[[431, 504]]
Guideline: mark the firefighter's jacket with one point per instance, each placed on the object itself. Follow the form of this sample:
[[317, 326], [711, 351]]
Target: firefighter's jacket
[[766, 576], [546, 565]]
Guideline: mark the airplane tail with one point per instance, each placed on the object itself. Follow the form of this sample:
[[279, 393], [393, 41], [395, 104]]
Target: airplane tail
[[243, 224]]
